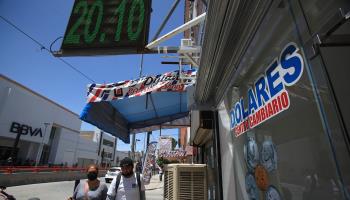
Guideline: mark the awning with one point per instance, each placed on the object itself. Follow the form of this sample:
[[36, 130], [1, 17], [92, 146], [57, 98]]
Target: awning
[[139, 105]]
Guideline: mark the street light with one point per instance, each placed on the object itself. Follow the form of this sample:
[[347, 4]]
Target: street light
[[40, 150]]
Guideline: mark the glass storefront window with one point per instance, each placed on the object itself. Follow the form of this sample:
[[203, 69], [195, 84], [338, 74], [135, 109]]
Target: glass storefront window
[[318, 12], [288, 156], [211, 170], [335, 58]]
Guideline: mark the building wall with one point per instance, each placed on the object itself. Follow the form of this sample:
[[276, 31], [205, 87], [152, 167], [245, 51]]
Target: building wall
[[192, 10], [109, 147], [86, 152], [183, 138], [19, 104], [67, 147], [25, 111]]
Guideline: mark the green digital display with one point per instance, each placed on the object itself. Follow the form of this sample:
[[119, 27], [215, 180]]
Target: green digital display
[[107, 27]]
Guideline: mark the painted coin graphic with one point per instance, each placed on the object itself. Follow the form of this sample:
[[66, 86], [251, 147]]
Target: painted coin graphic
[[268, 156], [272, 194], [251, 154], [251, 187], [261, 177]]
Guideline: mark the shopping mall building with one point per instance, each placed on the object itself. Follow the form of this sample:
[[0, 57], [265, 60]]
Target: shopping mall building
[[40, 130]]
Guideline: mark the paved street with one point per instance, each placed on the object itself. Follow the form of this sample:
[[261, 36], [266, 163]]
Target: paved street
[[64, 189]]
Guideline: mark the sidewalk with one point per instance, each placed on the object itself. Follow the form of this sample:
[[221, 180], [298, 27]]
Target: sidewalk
[[155, 183]]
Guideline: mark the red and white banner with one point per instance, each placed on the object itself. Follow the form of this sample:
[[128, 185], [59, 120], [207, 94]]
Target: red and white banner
[[165, 144], [148, 162], [172, 154], [167, 82]]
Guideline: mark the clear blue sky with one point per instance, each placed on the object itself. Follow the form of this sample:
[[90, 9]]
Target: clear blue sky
[[23, 61]]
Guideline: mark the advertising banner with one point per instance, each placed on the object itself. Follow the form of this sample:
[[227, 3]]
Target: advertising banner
[[167, 82], [165, 144], [173, 154], [147, 163]]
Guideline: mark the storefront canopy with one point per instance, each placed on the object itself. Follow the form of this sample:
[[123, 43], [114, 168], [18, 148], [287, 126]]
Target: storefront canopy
[[139, 105]]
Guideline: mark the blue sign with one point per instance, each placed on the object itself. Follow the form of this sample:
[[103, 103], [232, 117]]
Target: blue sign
[[268, 97]]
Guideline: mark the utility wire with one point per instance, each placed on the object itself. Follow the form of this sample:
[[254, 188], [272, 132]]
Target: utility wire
[[43, 47]]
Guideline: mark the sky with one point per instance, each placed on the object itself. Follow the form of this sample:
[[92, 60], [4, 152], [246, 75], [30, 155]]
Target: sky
[[23, 61]]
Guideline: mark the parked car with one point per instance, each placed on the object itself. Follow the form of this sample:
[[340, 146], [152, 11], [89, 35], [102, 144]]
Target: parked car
[[111, 173]]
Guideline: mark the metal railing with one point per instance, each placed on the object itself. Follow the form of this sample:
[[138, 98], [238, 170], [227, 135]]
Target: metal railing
[[33, 169]]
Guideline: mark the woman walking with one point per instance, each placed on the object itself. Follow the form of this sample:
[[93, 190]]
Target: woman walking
[[92, 189]]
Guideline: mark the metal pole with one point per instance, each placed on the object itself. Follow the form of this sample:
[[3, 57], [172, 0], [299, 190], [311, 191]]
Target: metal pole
[[176, 2], [160, 130], [13, 154], [100, 145], [102, 157], [115, 149], [136, 140], [178, 30], [141, 66], [149, 133], [163, 49], [144, 142], [133, 146]]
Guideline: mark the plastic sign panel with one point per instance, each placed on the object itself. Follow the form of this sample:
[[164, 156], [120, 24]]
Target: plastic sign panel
[[269, 96], [107, 27]]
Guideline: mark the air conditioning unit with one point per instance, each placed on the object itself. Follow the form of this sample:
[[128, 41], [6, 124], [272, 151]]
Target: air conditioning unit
[[202, 124], [187, 46], [185, 181], [186, 42]]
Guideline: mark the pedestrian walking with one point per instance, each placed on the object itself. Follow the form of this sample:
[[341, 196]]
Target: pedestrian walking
[[127, 185], [92, 189], [161, 173]]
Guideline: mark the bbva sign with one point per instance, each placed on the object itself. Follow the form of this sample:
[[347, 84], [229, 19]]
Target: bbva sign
[[25, 129]]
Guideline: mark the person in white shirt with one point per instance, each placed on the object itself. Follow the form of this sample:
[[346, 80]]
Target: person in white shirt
[[131, 185]]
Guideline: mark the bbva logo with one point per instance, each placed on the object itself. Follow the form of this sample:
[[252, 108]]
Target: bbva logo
[[25, 129]]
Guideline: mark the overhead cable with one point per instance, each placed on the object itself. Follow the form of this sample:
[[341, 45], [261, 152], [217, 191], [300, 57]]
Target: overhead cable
[[42, 47]]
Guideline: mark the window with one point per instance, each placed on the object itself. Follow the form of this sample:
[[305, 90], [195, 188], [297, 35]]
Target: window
[[288, 155], [108, 143]]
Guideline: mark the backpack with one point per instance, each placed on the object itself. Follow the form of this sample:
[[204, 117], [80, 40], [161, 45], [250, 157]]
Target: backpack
[[142, 193]]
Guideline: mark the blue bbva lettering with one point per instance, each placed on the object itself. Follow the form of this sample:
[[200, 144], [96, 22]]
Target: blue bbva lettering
[[284, 71]]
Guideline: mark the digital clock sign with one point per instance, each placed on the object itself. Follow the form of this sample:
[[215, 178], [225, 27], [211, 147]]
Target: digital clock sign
[[107, 27]]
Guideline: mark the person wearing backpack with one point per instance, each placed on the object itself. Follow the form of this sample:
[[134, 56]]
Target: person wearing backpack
[[127, 185]]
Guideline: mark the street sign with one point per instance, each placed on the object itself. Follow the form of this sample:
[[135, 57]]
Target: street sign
[[107, 27]]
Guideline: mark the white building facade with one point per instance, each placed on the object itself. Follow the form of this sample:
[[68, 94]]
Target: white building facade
[[106, 147], [87, 149], [48, 132]]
